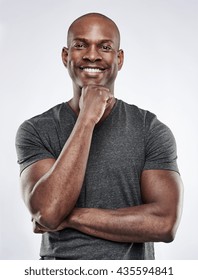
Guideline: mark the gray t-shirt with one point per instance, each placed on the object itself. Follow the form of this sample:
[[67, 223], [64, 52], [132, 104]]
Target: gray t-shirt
[[127, 142]]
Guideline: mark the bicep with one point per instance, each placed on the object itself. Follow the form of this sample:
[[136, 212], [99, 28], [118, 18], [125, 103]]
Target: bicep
[[164, 189], [32, 174]]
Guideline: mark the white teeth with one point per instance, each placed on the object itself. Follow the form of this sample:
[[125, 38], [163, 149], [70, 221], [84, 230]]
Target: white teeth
[[95, 70]]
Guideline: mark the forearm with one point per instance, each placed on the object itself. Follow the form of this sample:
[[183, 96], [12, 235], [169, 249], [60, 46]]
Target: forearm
[[155, 220], [55, 194], [132, 224]]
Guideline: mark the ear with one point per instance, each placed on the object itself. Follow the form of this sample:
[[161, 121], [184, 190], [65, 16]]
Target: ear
[[65, 56], [120, 59]]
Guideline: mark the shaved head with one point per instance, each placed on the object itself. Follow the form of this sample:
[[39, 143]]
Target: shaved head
[[93, 17], [92, 55]]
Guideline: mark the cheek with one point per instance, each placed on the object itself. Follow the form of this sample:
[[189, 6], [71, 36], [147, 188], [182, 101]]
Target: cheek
[[71, 65], [71, 69], [114, 67], [73, 62]]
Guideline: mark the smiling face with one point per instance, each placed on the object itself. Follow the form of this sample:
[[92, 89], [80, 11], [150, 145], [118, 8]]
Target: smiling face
[[93, 55]]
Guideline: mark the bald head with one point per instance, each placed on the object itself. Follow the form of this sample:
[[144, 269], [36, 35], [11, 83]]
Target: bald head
[[92, 18]]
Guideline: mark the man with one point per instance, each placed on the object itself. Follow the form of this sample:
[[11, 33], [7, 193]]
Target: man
[[99, 176]]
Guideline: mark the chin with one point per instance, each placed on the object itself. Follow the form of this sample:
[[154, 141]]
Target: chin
[[93, 82]]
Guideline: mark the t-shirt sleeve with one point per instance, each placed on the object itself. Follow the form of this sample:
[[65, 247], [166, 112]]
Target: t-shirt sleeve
[[161, 151], [29, 146]]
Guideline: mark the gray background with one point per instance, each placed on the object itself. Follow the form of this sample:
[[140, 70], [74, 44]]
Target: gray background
[[160, 41]]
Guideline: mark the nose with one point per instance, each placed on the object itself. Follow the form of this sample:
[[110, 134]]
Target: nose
[[92, 54]]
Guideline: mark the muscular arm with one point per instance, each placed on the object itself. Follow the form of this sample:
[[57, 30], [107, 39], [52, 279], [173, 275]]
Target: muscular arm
[[51, 188], [155, 220]]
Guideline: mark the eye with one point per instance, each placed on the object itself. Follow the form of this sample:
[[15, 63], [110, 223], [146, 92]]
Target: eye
[[106, 48], [79, 45]]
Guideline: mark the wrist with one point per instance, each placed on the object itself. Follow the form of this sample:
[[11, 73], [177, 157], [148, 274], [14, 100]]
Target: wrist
[[86, 120], [75, 218]]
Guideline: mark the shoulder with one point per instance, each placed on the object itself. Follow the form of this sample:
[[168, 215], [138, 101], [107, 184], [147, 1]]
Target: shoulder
[[44, 120], [50, 114], [144, 116], [41, 125], [147, 121]]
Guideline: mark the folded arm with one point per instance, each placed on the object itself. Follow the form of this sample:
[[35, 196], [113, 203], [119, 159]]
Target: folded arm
[[155, 220]]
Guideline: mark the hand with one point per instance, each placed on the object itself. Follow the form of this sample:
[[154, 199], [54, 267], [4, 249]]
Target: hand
[[93, 102]]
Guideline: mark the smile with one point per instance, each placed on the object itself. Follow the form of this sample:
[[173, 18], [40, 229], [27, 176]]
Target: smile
[[91, 70]]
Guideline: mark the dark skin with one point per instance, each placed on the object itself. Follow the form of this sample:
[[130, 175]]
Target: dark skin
[[93, 59]]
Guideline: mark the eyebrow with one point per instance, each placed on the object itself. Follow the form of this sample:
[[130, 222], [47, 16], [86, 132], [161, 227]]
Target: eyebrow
[[87, 41]]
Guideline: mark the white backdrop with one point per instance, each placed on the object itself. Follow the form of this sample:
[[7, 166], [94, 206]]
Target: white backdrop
[[160, 41]]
